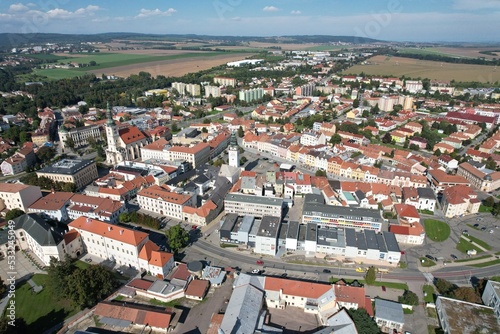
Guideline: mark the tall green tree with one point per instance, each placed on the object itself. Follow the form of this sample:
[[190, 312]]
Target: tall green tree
[[363, 322], [409, 298], [371, 275], [177, 238], [14, 213], [241, 133], [90, 285]]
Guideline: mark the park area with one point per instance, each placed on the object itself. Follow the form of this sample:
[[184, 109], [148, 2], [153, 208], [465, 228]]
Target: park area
[[41, 311], [436, 230], [434, 70]]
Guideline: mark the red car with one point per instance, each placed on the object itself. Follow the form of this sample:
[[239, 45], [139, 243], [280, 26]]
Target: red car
[[260, 262]]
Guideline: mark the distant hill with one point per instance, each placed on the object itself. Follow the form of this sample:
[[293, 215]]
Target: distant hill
[[10, 40]]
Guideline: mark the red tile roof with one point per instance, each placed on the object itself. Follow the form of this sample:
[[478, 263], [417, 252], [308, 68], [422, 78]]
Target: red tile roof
[[131, 134], [125, 235], [297, 288]]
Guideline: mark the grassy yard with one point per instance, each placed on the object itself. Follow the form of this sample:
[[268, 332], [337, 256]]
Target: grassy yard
[[428, 293], [41, 311], [391, 285], [483, 208], [464, 245], [486, 264], [425, 262], [436, 230], [474, 258], [426, 212], [479, 242]]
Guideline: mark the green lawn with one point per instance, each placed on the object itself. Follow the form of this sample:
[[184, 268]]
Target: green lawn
[[428, 293], [474, 258], [436, 230], [41, 311], [479, 242], [464, 245], [425, 262], [58, 73], [426, 212], [486, 264], [483, 208], [392, 285]]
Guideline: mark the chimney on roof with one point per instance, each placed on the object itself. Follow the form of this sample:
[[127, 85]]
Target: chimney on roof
[[109, 228], [88, 220], [121, 232]]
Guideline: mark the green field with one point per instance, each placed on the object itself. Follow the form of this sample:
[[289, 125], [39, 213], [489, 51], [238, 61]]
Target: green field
[[464, 245], [428, 293], [324, 48], [436, 230], [429, 51], [58, 73], [479, 242], [425, 262], [107, 60], [41, 311], [486, 264]]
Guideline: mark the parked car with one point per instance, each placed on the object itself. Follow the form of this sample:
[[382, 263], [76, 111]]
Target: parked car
[[360, 270], [483, 228], [465, 232], [260, 262], [430, 257], [476, 225], [454, 257], [284, 275], [383, 288], [327, 271], [256, 271]]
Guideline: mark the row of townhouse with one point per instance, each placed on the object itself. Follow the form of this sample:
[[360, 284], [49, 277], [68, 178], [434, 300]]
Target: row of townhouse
[[17, 163]]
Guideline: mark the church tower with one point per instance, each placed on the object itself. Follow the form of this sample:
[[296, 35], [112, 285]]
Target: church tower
[[234, 152], [113, 155]]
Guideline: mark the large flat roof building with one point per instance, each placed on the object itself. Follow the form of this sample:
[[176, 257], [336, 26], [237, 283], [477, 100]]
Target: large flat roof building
[[81, 172], [340, 216], [258, 206]]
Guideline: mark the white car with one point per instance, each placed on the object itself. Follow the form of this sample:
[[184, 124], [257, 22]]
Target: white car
[[256, 271]]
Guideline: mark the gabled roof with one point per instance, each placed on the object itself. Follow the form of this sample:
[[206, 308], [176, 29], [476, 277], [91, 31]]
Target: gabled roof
[[43, 233], [131, 134], [297, 288], [125, 235]]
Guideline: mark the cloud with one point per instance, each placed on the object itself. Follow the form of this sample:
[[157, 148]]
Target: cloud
[[59, 13], [270, 9], [155, 12], [295, 12], [475, 5], [18, 7]]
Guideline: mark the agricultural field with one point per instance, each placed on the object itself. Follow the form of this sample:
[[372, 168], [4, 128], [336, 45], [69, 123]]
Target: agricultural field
[[175, 66], [414, 68], [122, 64], [463, 52]]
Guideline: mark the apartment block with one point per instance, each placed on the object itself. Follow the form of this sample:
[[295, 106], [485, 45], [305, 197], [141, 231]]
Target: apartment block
[[18, 196], [164, 202], [252, 205]]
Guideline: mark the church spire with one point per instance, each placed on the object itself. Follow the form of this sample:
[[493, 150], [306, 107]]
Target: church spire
[[109, 115], [233, 141]]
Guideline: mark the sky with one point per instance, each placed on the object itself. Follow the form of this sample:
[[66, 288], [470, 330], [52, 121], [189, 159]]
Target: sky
[[390, 20]]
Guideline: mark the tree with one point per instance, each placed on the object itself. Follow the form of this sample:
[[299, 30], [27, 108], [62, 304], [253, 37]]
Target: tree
[[320, 172], [355, 103], [243, 160], [60, 273], [90, 285], [371, 275], [408, 298], [363, 321], [444, 287], [70, 143], [437, 153], [241, 133], [387, 138], [204, 130], [335, 139], [45, 154], [14, 213], [489, 202], [466, 294], [175, 128], [3, 287], [177, 238], [491, 164]]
